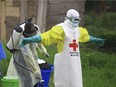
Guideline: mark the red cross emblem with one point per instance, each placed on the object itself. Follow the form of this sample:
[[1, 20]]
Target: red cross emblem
[[74, 45]]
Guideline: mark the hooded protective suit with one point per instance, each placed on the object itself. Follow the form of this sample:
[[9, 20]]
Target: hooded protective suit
[[24, 59]]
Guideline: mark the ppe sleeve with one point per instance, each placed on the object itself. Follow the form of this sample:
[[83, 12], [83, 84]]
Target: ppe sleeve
[[42, 49], [33, 47], [33, 39], [84, 36], [52, 36], [30, 61]]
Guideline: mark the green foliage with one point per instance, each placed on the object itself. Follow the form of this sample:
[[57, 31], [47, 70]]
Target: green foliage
[[106, 20], [100, 6], [98, 68], [4, 63], [103, 26]]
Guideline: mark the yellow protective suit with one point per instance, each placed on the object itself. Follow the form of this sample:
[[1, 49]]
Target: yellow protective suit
[[57, 35]]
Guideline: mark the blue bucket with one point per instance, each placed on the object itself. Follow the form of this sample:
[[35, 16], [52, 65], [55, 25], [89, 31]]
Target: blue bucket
[[2, 52], [46, 75]]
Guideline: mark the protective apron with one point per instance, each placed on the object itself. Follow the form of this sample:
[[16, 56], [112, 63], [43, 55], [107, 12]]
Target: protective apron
[[26, 65], [67, 64]]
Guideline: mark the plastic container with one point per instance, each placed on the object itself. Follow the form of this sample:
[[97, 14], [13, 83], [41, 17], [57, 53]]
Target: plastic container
[[10, 81], [46, 75]]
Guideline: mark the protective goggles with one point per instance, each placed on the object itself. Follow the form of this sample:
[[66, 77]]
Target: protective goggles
[[74, 20]]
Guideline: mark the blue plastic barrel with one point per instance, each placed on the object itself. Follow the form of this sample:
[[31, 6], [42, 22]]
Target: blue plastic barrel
[[46, 76], [2, 52]]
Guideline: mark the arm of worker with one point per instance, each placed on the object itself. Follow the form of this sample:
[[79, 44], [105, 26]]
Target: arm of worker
[[85, 37], [29, 59], [33, 39], [43, 50], [52, 36], [33, 47]]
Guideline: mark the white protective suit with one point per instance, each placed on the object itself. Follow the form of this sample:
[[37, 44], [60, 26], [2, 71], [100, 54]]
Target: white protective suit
[[24, 63]]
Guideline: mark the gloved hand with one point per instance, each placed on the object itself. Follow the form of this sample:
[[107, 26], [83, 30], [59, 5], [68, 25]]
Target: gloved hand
[[98, 41], [47, 55], [43, 50], [33, 39]]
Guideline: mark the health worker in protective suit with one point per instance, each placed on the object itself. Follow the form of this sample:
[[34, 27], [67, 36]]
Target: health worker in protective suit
[[25, 58], [67, 35]]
